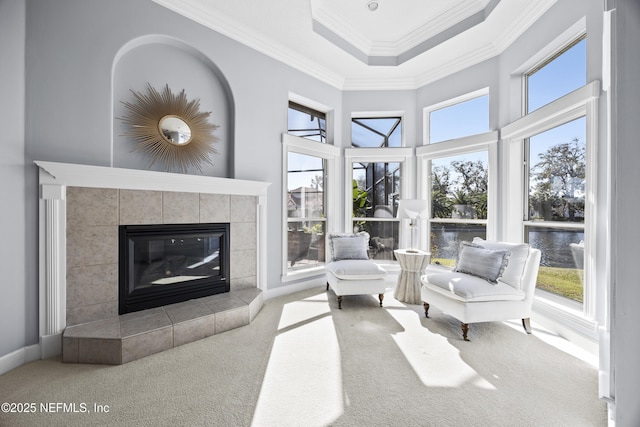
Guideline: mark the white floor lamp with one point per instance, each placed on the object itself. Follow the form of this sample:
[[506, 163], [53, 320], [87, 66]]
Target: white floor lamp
[[411, 209]]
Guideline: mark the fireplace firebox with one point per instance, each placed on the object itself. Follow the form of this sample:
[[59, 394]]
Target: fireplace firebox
[[170, 263]]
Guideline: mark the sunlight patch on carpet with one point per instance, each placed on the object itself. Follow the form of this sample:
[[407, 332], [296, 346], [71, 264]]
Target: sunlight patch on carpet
[[435, 361], [304, 310], [292, 393]]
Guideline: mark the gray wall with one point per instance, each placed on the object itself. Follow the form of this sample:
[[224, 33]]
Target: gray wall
[[18, 313]]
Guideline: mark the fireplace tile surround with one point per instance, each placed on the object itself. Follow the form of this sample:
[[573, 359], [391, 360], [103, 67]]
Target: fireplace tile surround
[[81, 208], [93, 217]]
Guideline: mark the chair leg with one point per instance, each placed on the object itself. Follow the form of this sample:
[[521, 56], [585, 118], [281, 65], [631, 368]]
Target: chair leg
[[465, 329], [381, 296], [426, 309], [526, 324], [340, 302]]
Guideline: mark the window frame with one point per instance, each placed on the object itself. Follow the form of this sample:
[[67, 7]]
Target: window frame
[[426, 113], [377, 115], [488, 142], [401, 155], [331, 154], [548, 59], [313, 113], [582, 102]]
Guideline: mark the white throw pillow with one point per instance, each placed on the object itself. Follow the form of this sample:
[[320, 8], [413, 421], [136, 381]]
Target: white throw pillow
[[481, 262], [349, 246], [512, 274]]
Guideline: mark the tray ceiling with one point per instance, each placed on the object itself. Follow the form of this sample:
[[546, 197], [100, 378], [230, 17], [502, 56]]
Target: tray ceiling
[[403, 44]]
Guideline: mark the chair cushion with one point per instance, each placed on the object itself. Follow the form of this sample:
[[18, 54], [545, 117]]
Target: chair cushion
[[512, 274], [467, 288], [349, 246], [356, 269], [487, 264]]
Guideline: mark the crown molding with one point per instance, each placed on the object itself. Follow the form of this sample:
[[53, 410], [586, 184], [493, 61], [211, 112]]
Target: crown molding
[[241, 33], [532, 13]]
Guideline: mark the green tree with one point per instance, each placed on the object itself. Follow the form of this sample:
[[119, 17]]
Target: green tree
[[558, 182], [472, 185], [440, 184], [361, 204]]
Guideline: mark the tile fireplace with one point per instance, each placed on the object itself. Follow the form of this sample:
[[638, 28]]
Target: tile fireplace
[[81, 210]]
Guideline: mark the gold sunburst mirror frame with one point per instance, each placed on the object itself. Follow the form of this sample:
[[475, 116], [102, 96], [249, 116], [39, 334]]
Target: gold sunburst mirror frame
[[170, 129]]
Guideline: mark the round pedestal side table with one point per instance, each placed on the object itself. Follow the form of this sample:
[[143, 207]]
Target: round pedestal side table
[[412, 263]]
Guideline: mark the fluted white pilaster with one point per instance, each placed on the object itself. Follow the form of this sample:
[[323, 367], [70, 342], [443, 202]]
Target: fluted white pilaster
[[53, 273]]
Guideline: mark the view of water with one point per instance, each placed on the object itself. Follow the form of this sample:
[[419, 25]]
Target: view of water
[[554, 243]]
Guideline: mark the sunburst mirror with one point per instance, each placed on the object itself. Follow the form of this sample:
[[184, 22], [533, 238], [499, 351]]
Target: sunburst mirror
[[170, 129]]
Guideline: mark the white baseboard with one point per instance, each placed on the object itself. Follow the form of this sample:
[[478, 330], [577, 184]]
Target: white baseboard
[[19, 357], [295, 287]]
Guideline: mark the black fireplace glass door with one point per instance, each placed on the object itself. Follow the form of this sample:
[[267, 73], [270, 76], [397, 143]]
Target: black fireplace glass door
[[172, 258], [165, 264]]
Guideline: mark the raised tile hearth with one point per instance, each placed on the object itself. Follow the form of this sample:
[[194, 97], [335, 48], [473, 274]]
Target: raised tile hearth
[[131, 336]]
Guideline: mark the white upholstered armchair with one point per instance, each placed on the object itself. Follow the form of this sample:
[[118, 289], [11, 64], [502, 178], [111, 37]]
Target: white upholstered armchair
[[350, 271], [492, 281]]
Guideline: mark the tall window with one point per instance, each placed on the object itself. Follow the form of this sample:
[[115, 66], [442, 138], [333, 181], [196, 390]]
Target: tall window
[[307, 123], [375, 190], [459, 119], [376, 166], [456, 166], [555, 206], [560, 74], [309, 164], [459, 203], [556, 175], [306, 219]]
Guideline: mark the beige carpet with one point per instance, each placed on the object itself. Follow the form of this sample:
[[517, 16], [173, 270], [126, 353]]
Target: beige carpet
[[303, 362]]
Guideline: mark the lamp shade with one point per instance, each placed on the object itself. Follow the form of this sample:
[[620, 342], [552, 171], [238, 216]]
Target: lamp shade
[[411, 208]]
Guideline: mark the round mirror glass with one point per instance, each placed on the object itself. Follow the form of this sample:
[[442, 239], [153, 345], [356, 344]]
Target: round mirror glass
[[175, 130]]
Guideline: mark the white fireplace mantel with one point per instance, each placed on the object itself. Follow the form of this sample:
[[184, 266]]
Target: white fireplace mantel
[[53, 180]]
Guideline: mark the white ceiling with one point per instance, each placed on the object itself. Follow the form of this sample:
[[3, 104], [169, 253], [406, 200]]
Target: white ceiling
[[404, 44]]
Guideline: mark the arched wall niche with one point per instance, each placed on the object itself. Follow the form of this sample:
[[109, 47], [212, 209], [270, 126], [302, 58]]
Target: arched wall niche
[[160, 60]]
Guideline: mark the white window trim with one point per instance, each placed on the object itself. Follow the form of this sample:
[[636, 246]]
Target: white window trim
[[582, 102], [426, 111], [487, 141], [328, 111], [331, 154], [577, 30], [402, 155], [377, 114]]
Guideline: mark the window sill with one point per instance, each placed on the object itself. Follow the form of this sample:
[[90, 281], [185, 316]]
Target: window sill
[[566, 314]]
